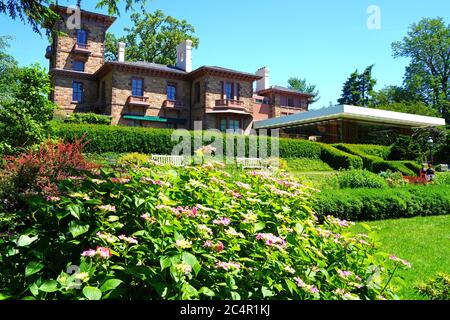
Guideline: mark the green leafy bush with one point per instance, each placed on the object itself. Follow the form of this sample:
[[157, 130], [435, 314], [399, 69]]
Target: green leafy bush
[[437, 288], [88, 118], [365, 149], [305, 164], [189, 233], [360, 179], [24, 119], [376, 163], [338, 159], [296, 148], [405, 148], [442, 178], [393, 179], [390, 203], [134, 160]]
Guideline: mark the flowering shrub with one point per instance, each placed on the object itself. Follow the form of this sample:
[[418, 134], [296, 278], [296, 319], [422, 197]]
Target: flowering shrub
[[437, 288], [190, 233], [38, 171]]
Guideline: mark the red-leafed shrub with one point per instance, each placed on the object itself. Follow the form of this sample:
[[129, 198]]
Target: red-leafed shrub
[[38, 171]]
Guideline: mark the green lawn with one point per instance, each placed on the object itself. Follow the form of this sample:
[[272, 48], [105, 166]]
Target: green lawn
[[424, 241]]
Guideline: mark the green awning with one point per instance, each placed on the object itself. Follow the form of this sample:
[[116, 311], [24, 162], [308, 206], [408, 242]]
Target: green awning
[[154, 119]]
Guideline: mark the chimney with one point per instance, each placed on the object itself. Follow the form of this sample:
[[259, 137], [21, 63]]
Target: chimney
[[184, 56], [263, 83], [121, 52]]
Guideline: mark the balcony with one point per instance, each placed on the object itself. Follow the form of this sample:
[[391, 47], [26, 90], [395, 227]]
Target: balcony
[[172, 104], [48, 52], [228, 103], [138, 101], [81, 48]]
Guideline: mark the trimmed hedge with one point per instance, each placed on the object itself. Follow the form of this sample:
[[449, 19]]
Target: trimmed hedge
[[338, 159], [378, 164], [88, 118], [367, 149], [122, 139], [377, 204]]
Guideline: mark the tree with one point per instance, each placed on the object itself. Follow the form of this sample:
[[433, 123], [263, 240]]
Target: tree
[[153, 38], [38, 13], [302, 86], [24, 120], [8, 70], [358, 88], [427, 44]]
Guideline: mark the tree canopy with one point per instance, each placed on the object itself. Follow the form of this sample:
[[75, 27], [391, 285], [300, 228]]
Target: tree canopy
[[301, 85], [153, 38], [427, 44]]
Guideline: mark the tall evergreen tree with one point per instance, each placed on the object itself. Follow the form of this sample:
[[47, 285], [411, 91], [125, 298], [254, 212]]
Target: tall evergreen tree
[[358, 88]]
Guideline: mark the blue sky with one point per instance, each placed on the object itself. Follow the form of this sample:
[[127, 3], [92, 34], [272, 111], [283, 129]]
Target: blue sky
[[321, 40]]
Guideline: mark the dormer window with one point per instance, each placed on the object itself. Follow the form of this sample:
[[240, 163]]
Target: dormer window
[[81, 37]]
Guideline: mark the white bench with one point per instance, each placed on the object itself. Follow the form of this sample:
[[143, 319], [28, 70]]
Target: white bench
[[176, 161], [444, 167], [250, 163]]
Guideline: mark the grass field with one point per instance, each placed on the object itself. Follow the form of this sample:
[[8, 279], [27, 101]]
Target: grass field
[[424, 241]]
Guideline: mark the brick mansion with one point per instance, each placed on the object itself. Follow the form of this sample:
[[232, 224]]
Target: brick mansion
[[153, 95]]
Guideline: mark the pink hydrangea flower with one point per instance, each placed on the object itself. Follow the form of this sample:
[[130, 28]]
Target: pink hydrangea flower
[[89, 253], [223, 221], [219, 246], [208, 244], [299, 282], [148, 218], [101, 252], [130, 240], [271, 240], [228, 265], [344, 274], [313, 289], [107, 207]]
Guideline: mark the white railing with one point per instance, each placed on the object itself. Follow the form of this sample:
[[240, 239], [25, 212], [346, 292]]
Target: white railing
[[250, 163], [176, 161]]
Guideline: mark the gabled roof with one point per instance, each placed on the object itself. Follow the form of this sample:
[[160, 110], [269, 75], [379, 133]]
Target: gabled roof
[[280, 89]]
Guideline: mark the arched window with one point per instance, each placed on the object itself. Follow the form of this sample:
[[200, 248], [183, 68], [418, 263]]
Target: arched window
[[81, 36]]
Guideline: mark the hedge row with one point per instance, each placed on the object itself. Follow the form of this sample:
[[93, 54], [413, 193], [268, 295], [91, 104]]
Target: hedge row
[[338, 159], [88, 118], [378, 164], [368, 149], [377, 204], [158, 141]]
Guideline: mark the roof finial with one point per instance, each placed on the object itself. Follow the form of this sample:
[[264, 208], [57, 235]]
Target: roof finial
[[79, 3]]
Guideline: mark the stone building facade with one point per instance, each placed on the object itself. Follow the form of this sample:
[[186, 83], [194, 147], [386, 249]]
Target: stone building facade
[[154, 95]]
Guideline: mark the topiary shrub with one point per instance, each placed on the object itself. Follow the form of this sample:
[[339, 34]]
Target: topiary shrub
[[338, 159], [360, 179]]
